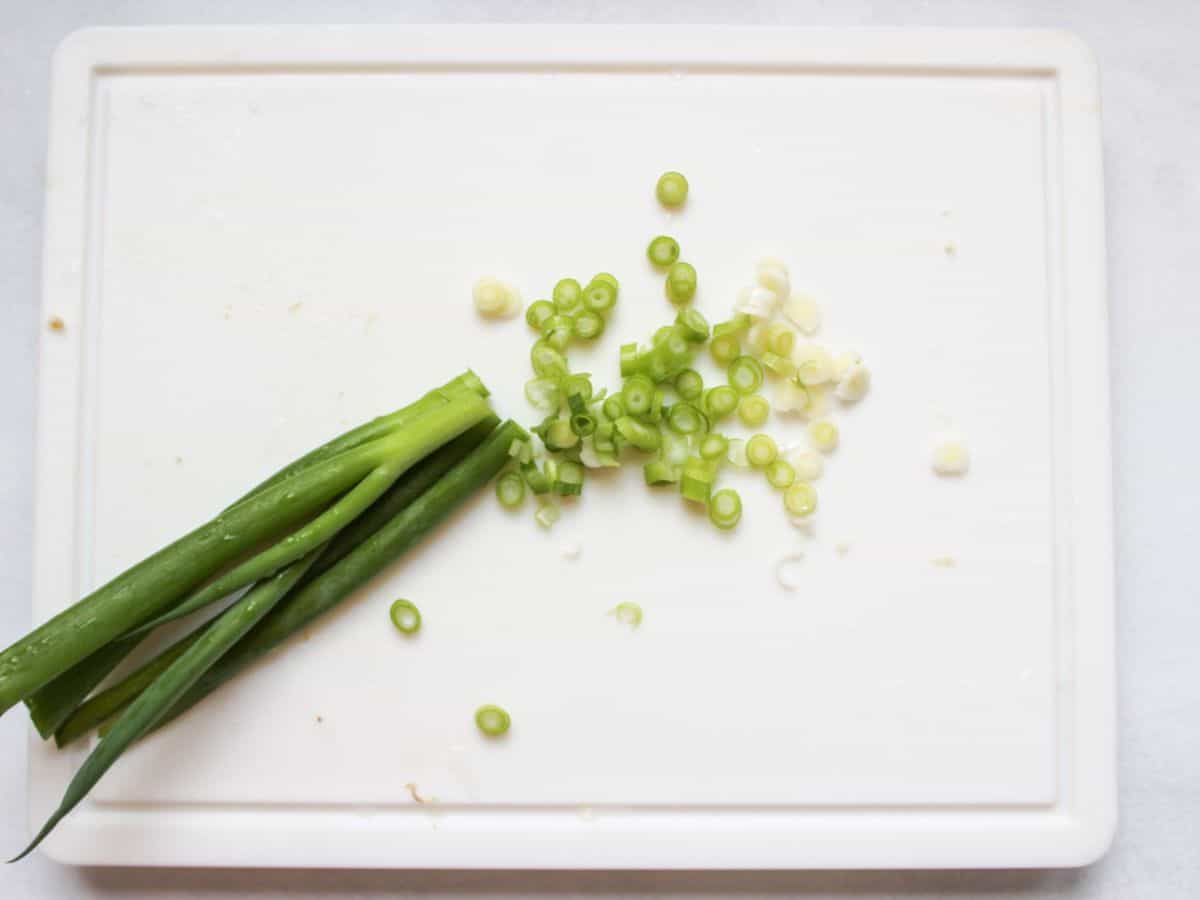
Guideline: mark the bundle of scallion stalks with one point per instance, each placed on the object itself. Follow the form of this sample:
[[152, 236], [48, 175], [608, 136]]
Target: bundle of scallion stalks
[[295, 546]]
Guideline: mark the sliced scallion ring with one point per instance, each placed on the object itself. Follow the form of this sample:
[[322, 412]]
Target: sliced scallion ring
[[725, 509], [405, 616], [493, 721]]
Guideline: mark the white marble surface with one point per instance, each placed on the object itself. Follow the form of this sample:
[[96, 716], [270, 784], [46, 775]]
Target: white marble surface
[[1151, 84]]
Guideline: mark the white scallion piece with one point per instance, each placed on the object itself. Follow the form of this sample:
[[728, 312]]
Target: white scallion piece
[[950, 454], [824, 435], [854, 384], [547, 515], [842, 363], [736, 453], [814, 364], [756, 301], [789, 570], [804, 313], [842, 548], [772, 274], [490, 297], [809, 464], [944, 562], [571, 550]]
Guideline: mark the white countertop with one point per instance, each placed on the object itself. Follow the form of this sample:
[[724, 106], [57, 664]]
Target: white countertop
[[1151, 85]]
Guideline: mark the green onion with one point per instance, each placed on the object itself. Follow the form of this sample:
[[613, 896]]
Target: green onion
[[583, 424], [644, 437], [608, 279], [824, 435], [543, 394], [724, 348], [753, 410], [517, 448], [637, 395], [725, 509], [714, 447], [559, 435], [558, 330], [656, 407], [578, 385], [681, 283], [535, 478], [697, 481], [663, 251], [567, 295], [737, 326], [569, 479], [631, 360], [539, 312], [600, 296], [777, 338], [627, 614], [150, 707], [780, 365], [683, 418], [663, 333], [166, 578], [547, 515], [671, 190], [547, 362], [745, 375], [660, 471], [405, 616], [425, 501], [695, 326], [780, 474], [737, 453], [761, 451], [800, 499], [613, 408], [689, 385], [510, 490], [492, 720], [602, 438], [720, 401], [589, 325]]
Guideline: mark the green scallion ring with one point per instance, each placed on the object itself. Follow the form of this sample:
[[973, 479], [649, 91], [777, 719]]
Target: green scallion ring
[[681, 283], [695, 327], [683, 418], [589, 325], [780, 474], [671, 190], [720, 401], [510, 490], [599, 296], [547, 362], [637, 395], [800, 499], [663, 251], [406, 617], [493, 721], [724, 348], [745, 374], [761, 451], [714, 446], [753, 410], [538, 313], [567, 295], [608, 279], [725, 509], [689, 385]]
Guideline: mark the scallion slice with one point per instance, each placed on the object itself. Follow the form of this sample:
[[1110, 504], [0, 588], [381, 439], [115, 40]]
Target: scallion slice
[[637, 395], [547, 362], [753, 410], [737, 453], [644, 437], [567, 295], [681, 283], [761, 451], [559, 435], [724, 348], [568, 481], [613, 408], [583, 423], [714, 447], [745, 375], [558, 331], [779, 365], [535, 478], [689, 385], [824, 435], [608, 279], [800, 499], [543, 394], [538, 313], [695, 327], [588, 325], [697, 480], [684, 418], [510, 490], [547, 515], [725, 509], [780, 474], [663, 251], [628, 614], [631, 360], [659, 471], [577, 385], [720, 401], [600, 296], [406, 617], [492, 720], [671, 189], [779, 339]]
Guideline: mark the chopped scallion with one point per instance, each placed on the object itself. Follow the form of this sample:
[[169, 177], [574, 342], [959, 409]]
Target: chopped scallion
[[824, 435], [681, 283], [663, 251], [538, 313], [761, 451], [720, 401], [628, 614], [697, 479], [588, 325], [725, 509], [800, 499], [406, 617], [671, 190], [753, 410], [695, 326], [567, 295], [600, 296], [547, 515], [724, 348], [569, 479], [780, 474], [637, 395], [492, 720], [510, 490], [745, 375], [644, 437], [689, 385], [543, 394], [714, 446]]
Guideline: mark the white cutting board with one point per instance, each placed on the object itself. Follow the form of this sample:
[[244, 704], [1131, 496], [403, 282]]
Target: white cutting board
[[257, 237]]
